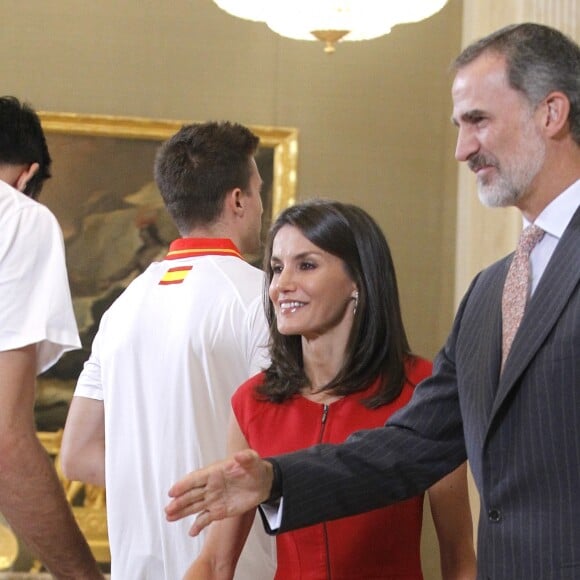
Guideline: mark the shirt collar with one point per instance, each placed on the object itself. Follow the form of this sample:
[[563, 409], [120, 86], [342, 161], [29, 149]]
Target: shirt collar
[[556, 216], [191, 247]]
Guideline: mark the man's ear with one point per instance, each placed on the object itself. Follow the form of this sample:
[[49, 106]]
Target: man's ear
[[237, 202], [556, 113], [25, 176]]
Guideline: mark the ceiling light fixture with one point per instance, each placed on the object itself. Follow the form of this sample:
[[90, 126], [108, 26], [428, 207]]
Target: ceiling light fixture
[[332, 21]]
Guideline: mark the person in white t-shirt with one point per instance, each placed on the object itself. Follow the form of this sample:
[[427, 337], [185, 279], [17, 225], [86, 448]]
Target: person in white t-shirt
[[37, 326], [153, 400]]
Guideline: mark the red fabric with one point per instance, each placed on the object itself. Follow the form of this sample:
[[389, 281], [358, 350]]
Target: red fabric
[[191, 247], [382, 544]]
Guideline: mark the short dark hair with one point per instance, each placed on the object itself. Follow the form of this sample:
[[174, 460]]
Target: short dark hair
[[196, 167], [377, 346], [539, 60], [22, 141]]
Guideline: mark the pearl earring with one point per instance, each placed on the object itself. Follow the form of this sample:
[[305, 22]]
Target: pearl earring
[[355, 298]]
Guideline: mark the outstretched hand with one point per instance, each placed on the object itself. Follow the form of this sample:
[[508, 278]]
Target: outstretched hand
[[222, 490]]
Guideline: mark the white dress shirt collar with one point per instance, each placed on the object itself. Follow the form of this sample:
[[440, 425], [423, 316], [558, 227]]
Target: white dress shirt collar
[[556, 216]]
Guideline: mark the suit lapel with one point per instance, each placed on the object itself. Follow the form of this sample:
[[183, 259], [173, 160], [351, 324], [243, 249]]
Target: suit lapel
[[558, 282], [489, 337]]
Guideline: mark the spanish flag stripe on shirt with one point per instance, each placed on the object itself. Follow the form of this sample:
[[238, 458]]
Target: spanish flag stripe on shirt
[[175, 275], [192, 247]]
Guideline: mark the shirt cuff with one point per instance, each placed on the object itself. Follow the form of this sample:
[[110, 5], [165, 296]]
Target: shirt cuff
[[271, 513]]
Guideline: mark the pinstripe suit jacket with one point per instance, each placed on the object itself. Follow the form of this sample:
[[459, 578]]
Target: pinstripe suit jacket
[[520, 431]]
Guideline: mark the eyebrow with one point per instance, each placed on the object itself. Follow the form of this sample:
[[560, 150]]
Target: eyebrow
[[469, 116], [300, 256]]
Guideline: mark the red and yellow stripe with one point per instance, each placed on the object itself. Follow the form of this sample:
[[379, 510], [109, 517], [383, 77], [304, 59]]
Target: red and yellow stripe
[[191, 247], [175, 275]]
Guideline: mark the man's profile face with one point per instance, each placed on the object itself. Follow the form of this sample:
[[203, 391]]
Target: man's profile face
[[499, 136]]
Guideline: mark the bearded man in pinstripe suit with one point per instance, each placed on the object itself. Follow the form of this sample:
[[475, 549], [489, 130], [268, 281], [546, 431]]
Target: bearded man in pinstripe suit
[[516, 97]]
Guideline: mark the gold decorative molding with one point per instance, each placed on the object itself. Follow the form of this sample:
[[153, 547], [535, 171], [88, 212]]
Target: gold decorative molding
[[8, 547]]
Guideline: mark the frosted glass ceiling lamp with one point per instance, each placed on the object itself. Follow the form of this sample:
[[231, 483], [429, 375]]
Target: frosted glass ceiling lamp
[[332, 21]]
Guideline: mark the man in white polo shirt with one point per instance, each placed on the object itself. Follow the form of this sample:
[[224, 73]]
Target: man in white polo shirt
[[37, 326], [153, 400]]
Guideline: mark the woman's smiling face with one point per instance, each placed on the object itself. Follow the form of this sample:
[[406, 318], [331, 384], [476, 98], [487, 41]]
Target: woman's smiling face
[[311, 291]]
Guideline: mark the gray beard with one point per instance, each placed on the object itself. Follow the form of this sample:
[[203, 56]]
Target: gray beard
[[498, 195]]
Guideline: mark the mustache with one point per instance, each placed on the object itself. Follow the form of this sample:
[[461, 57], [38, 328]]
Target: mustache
[[479, 160]]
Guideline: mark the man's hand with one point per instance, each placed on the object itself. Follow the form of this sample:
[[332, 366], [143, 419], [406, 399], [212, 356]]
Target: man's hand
[[222, 490]]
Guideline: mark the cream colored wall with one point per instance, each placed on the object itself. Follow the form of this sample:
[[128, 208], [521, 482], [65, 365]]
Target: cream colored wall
[[373, 118]]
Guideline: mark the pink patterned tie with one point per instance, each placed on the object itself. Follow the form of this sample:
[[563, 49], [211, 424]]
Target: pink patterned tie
[[517, 287]]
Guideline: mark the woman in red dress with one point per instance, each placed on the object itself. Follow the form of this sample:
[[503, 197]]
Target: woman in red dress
[[340, 362]]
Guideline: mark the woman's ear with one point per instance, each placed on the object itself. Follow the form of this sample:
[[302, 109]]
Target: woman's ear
[[354, 297]]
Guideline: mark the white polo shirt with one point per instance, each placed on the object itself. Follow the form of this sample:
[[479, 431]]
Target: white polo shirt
[[35, 301], [169, 354]]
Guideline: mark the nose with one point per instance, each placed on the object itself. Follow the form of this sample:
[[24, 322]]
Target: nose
[[284, 281], [467, 144]]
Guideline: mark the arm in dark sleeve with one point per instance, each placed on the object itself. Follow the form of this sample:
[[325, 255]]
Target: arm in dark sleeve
[[418, 446]]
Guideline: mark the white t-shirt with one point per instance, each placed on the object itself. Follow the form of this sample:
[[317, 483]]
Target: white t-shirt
[[169, 354], [35, 301]]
